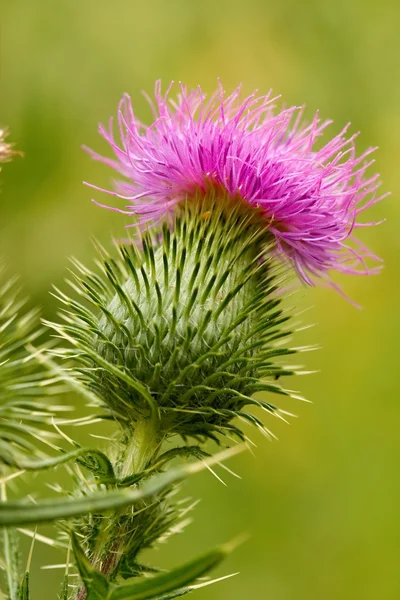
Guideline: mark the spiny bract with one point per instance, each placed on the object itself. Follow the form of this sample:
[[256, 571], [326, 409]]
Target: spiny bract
[[187, 328]]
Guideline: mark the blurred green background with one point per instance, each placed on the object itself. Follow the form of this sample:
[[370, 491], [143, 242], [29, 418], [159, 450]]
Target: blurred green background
[[322, 505]]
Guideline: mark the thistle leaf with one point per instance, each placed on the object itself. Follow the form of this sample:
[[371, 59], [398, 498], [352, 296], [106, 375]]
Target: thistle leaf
[[175, 594], [10, 550], [163, 585], [64, 594], [93, 459], [21, 513], [182, 452], [160, 587], [96, 584], [23, 592]]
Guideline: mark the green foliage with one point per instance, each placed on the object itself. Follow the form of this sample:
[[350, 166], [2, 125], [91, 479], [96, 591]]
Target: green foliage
[[92, 459], [23, 592], [16, 513], [24, 416], [176, 594], [11, 561], [165, 585], [113, 537], [64, 595], [96, 583]]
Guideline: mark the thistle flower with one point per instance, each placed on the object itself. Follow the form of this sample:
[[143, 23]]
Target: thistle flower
[[180, 335], [307, 199]]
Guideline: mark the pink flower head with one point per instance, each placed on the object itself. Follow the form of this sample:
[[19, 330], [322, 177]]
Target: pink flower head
[[310, 198]]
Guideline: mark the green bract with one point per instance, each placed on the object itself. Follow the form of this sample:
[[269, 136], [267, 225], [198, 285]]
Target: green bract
[[184, 326]]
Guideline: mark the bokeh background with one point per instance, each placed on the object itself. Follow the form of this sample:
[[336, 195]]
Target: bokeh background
[[322, 504]]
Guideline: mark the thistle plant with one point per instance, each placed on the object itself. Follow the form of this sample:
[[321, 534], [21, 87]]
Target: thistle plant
[[179, 334]]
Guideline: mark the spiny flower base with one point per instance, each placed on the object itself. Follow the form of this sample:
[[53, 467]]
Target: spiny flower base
[[185, 327]]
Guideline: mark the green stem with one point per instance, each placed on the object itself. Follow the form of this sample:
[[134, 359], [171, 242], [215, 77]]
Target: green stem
[[140, 449], [9, 554]]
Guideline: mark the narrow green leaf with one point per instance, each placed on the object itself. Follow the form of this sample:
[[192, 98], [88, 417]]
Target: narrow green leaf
[[166, 583], [176, 594], [93, 459], [96, 583], [11, 559], [64, 595], [182, 452], [20, 513], [23, 592]]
